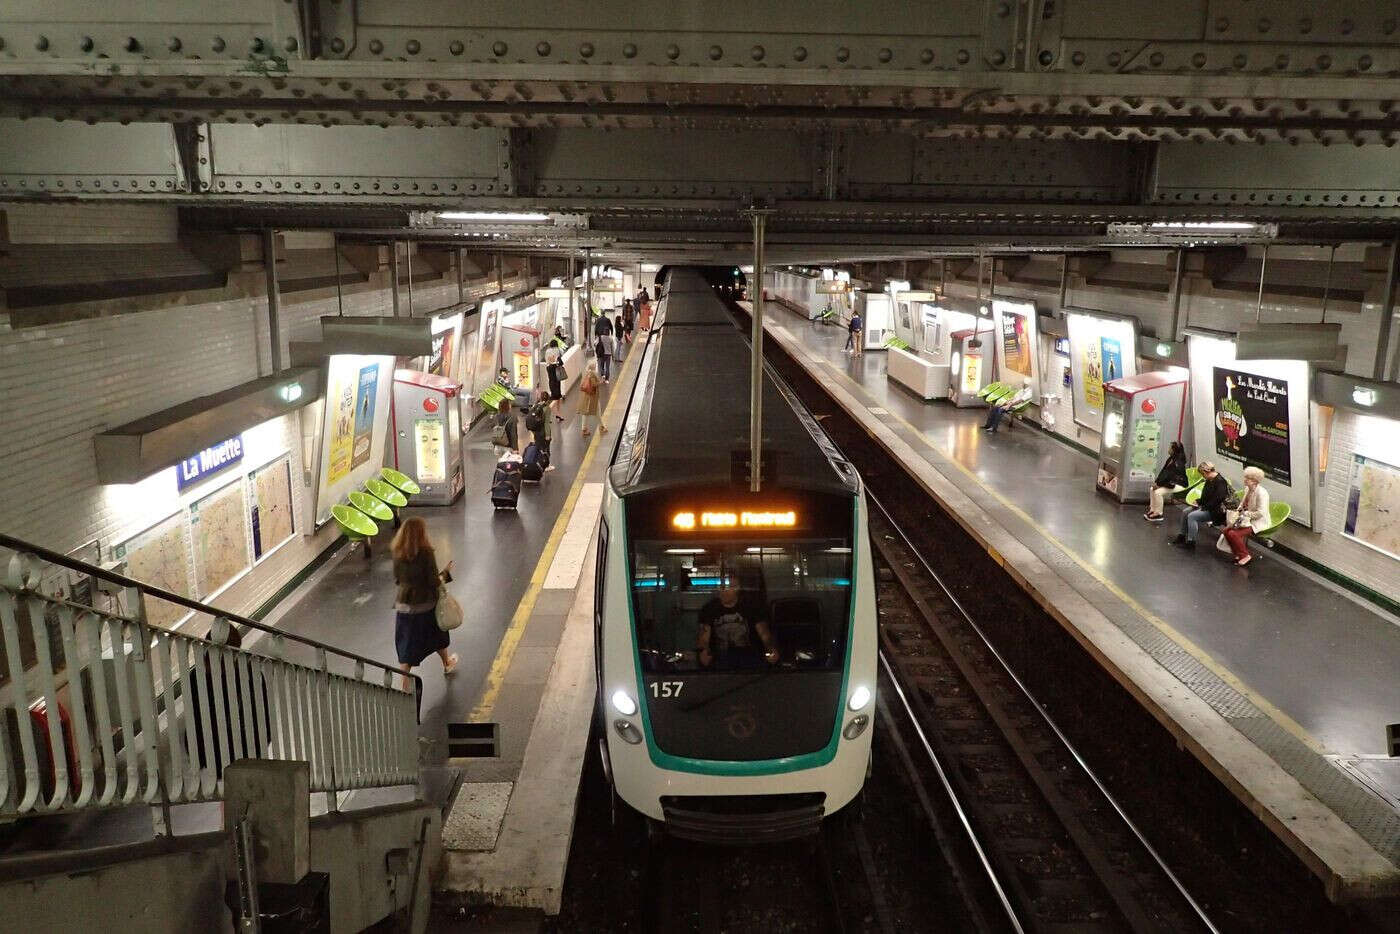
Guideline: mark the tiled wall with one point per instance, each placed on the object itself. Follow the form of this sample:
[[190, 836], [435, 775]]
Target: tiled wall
[[64, 383]]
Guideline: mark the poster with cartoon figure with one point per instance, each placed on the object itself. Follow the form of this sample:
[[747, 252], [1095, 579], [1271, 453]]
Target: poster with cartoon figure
[[1091, 366], [1251, 421], [364, 412], [341, 447]]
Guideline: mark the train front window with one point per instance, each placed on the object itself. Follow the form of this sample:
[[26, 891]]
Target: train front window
[[727, 606]]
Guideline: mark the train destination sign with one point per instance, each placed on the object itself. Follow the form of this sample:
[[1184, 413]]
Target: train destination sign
[[688, 521]]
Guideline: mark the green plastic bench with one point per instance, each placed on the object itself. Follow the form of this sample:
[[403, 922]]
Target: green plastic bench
[[371, 506], [355, 525], [399, 481], [1003, 391], [1278, 515], [1193, 495], [386, 492], [990, 388], [1193, 482]]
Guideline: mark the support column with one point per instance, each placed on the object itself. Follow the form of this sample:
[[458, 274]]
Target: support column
[[760, 220], [579, 336], [394, 274], [461, 288], [274, 300], [588, 284], [408, 257], [1176, 297], [1387, 312]]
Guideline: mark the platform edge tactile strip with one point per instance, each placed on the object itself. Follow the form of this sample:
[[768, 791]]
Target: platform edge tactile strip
[[1365, 813]]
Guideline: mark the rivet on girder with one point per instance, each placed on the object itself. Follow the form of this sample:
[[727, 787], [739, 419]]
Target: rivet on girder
[[337, 45], [85, 44], [413, 46], [456, 47], [673, 52], [499, 49], [375, 46], [132, 44]]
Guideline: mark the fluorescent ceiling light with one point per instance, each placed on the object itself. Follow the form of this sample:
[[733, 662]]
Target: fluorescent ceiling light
[[492, 217]]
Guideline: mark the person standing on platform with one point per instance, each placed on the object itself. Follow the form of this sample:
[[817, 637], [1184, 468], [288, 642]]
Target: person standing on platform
[[590, 385], [1170, 477], [416, 632], [506, 433], [1252, 516], [1210, 508], [603, 347], [540, 425], [629, 321], [554, 371], [854, 344]]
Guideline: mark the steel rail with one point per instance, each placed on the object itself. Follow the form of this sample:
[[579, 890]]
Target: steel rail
[[1045, 717]]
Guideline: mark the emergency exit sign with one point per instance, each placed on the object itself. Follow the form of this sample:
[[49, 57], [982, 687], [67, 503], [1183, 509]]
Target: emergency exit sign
[[208, 462]]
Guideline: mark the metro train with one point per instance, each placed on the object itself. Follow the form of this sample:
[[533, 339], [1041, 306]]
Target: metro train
[[735, 639]]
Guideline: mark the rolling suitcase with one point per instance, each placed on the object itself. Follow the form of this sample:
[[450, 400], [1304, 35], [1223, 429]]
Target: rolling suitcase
[[505, 483], [534, 462]]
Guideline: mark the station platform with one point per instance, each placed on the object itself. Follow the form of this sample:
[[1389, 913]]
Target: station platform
[[525, 671], [1278, 681]]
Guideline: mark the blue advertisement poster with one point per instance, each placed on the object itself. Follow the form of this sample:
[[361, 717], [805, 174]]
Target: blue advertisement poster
[[364, 412], [1112, 359]]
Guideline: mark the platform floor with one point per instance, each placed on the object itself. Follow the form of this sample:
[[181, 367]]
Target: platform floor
[[1303, 668], [349, 603]]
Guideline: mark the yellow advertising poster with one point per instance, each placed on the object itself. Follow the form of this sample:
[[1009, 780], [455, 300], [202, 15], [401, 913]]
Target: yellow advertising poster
[[341, 446], [1091, 365], [1015, 342], [524, 369], [972, 373]]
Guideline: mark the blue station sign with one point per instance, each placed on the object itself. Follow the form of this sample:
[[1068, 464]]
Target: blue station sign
[[208, 462]]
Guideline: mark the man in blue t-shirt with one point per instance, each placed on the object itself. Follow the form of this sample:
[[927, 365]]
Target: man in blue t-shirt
[[854, 344]]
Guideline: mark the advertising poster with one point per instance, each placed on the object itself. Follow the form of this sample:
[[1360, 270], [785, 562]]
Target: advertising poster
[[972, 372], [1251, 421], [364, 413], [1091, 366], [524, 370], [1373, 505], [1015, 342], [340, 446], [1112, 357], [432, 456]]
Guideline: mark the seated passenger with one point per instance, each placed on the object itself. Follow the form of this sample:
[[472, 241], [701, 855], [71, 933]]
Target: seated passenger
[[732, 625], [1171, 476], [1252, 516], [1210, 508], [997, 412]]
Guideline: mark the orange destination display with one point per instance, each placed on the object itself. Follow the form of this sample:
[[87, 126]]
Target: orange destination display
[[689, 521]]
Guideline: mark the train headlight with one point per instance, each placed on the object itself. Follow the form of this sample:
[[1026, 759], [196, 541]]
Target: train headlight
[[623, 703], [859, 697], [630, 733], [856, 726]]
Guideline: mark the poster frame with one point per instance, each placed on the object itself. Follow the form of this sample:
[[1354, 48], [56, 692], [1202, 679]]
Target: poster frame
[[1001, 309], [1085, 415], [1357, 457]]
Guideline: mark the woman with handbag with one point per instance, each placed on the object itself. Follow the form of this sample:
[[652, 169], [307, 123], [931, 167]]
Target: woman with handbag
[[1252, 515], [417, 632], [590, 385]]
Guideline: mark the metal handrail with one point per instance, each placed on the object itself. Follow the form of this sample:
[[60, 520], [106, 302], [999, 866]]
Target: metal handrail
[[103, 709], [90, 570]]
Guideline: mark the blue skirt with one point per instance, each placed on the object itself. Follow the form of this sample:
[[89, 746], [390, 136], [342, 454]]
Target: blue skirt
[[416, 636]]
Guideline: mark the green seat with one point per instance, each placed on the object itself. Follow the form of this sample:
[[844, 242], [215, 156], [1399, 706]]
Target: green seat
[[1193, 495], [370, 506], [1003, 391], [399, 481], [355, 524], [990, 388], [1278, 515], [386, 492], [1193, 481]]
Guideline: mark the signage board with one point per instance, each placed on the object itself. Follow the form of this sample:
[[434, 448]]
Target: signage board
[[208, 462], [1251, 421]]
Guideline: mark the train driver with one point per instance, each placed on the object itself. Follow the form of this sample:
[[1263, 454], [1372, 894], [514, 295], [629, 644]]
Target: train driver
[[732, 626]]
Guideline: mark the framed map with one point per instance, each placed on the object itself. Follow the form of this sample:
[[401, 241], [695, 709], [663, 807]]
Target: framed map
[[160, 557], [219, 527], [1373, 505], [271, 512]]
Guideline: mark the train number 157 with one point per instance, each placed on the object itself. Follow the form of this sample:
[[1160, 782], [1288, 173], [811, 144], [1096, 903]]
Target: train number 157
[[666, 688]]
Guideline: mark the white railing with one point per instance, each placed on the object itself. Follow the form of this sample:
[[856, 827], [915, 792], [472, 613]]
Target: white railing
[[101, 708]]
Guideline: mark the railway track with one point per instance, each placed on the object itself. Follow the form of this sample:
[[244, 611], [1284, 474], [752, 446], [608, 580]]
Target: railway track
[[1053, 849]]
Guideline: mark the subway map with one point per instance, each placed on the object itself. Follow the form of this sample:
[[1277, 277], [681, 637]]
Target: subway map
[[159, 557], [219, 522], [1373, 506], [272, 492]]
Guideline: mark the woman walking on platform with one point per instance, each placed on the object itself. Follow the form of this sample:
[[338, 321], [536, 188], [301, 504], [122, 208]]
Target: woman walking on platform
[[416, 632], [590, 385]]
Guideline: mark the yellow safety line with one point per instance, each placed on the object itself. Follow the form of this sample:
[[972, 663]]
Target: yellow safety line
[[1200, 654], [510, 640]]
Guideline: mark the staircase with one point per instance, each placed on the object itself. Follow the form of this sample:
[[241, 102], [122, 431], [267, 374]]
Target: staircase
[[166, 779]]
